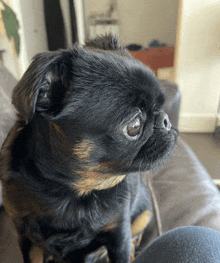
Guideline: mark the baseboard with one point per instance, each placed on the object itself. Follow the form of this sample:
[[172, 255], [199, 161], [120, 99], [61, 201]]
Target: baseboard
[[197, 123]]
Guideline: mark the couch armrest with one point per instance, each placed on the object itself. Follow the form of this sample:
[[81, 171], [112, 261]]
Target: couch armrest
[[172, 102], [184, 194]]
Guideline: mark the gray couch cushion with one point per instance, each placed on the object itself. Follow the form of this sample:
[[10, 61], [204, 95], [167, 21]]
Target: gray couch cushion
[[7, 80], [7, 115], [183, 194], [172, 102]]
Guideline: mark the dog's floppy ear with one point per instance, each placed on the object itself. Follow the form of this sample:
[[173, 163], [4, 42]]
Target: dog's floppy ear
[[43, 85]]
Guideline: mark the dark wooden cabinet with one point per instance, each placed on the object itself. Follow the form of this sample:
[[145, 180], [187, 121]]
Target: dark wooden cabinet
[[156, 57]]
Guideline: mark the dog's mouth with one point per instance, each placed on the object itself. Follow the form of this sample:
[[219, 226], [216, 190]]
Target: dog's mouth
[[157, 150]]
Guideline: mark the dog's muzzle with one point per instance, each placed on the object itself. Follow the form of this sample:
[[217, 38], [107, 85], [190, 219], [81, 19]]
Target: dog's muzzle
[[163, 122]]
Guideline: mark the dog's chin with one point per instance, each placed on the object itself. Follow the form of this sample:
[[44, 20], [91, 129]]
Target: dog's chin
[[157, 150]]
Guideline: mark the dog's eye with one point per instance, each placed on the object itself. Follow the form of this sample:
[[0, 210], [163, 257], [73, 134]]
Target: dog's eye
[[133, 129]]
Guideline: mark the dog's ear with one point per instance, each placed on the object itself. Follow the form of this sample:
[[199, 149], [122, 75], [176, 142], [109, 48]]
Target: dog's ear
[[43, 85], [105, 42]]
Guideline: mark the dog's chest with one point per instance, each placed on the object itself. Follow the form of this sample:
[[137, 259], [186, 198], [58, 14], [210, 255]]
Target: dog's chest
[[82, 227], [97, 213], [92, 215]]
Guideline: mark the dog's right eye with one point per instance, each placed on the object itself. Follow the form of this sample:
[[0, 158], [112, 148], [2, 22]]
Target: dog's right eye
[[133, 129]]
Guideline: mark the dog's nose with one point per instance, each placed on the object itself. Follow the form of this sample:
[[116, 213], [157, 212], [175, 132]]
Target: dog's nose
[[163, 122]]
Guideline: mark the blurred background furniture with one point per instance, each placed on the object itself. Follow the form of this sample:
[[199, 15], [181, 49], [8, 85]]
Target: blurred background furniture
[[156, 57]]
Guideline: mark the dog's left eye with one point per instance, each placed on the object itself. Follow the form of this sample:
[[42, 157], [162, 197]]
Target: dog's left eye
[[133, 129]]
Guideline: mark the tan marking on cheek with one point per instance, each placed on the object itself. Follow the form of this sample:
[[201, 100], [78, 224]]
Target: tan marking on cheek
[[140, 222], [83, 149]]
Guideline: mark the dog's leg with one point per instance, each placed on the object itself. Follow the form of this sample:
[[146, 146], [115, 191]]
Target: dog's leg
[[30, 252], [140, 222], [137, 229], [119, 242], [120, 253], [25, 246], [36, 255]]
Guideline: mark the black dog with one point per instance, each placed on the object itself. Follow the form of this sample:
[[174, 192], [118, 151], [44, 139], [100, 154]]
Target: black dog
[[89, 122]]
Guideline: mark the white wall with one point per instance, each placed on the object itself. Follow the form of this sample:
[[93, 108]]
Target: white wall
[[78, 4], [142, 21], [198, 64], [197, 51], [33, 30], [79, 7], [11, 59]]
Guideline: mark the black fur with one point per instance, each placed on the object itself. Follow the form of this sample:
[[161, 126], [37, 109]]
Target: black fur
[[71, 138]]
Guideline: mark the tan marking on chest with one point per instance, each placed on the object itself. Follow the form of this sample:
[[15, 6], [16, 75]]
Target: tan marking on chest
[[140, 222], [96, 181]]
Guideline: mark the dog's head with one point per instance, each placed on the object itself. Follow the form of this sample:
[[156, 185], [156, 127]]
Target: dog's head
[[107, 103]]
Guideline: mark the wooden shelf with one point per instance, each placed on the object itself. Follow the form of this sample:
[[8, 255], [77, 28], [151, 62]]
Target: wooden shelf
[[156, 57]]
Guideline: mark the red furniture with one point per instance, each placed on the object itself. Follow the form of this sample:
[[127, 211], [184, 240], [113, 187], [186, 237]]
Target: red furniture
[[156, 57]]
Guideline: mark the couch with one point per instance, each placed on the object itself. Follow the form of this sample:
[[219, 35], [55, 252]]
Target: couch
[[182, 192]]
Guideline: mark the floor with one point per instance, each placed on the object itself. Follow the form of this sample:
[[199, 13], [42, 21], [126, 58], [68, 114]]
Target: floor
[[205, 146]]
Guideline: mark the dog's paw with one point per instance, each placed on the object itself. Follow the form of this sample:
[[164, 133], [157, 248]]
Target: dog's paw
[[100, 256]]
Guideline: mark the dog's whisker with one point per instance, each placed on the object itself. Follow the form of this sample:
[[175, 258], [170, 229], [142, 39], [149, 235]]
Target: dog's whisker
[[140, 164]]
